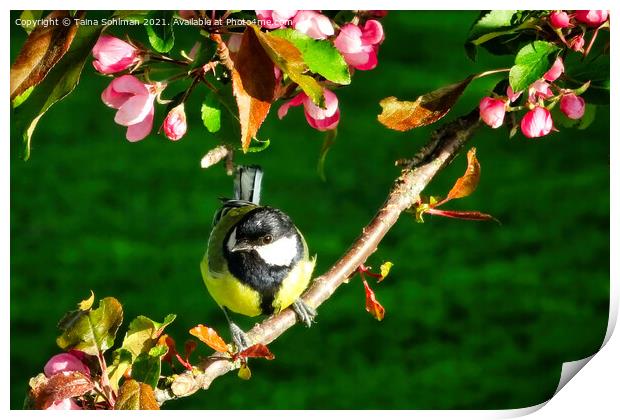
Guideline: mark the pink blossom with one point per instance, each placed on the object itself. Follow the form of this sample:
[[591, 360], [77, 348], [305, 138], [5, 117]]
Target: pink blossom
[[572, 106], [113, 55], [313, 24], [66, 404], [274, 19], [555, 71], [513, 96], [321, 119], [175, 124], [577, 43], [359, 46], [536, 123], [591, 17], [64, 362], [559, 19], [134, 101], [492, 111], [539, 90]]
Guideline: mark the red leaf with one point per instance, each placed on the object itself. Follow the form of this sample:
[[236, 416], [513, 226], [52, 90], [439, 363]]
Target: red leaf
[[253, 85], [210, 337], [43, 48], [465, 215], [466, 184], [257, 350], [372, 305], [61, 386], [425, 110]]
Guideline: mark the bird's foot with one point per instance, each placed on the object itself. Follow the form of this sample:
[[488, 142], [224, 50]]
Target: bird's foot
[[240, 338], [304, 312]]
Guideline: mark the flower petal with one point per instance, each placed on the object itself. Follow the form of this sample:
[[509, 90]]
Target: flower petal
[[137, 132], [134, 110]]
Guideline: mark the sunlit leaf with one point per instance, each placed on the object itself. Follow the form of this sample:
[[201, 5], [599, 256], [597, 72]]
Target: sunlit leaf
[[467, 184], [28, 19], [290, 60], [262, 145], [211, 112], [385, 270], [160, 31], [121, 362], [134, 395], [210, 337], [426, 109], [531, 63], [253, 86], [93, 331], [143, 333], [257, 351], [372, 305], [87, 303]]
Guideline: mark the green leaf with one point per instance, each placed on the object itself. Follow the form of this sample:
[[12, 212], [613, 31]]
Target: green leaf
[[262, 145], [531, 63], [58, 83], [134, 395], [143, 333], [121, 362], [147, 366], [92, 331], [159, 30], [581, 124], [20, 99], [28, 19], [320, 56], [211, 112]]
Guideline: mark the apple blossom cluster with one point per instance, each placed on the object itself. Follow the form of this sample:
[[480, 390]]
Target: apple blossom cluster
[[65, 364], [544, 94], [134, 99]]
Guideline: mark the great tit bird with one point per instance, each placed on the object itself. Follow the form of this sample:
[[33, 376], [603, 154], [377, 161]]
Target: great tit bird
[[257, 261]]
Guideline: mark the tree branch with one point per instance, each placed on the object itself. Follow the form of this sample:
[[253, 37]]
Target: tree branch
[[443, 146]]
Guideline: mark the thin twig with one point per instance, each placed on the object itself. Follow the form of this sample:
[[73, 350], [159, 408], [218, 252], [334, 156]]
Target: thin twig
[[405, 192]]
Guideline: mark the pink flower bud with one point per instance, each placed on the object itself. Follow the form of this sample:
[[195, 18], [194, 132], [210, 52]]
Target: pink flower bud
[[492, 111], [66, 404], [134, 101], [64, 362], [511, 94], [539, 89], [313, 24], [274, 19], [113, 55], [591, 17], [321, 119], [555, 71], [559, 19], [359, 46], [577, 43], [572, 106], [536, 123], [175, 124]]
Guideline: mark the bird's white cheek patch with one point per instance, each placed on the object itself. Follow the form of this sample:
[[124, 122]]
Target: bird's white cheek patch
[[232, 240], [280, 252]]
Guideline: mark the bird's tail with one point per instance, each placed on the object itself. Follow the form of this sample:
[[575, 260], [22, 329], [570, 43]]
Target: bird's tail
[[248, 183]]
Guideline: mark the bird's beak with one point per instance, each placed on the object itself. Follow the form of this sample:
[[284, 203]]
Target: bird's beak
[[241, 246]]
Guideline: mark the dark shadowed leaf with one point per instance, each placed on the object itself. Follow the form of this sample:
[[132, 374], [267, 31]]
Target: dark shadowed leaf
[[320, 55], [93, 331], [465, 215], [467, 184], [427, 109], [210, 337], [61, 386], [134, 395], [372, 304], [60, 81], [490, 24], [253, 86], [257, 351], [531, 63], [290, 60], [43, 48], [147, 366], [161, 31]]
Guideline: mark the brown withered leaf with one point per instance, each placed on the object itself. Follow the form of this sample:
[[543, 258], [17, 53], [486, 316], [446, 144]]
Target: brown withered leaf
[[134, 395], [464, 215], [257, 350], [253, 82], [467, 184], [210, 337], [43, 48], [290, 60], [61, 386], [372, 304], [426, 109]]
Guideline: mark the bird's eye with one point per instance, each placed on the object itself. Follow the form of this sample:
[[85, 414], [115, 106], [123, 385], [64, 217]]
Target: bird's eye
[[267, 239]]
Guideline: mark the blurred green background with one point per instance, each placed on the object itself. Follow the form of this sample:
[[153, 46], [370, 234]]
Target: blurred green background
[[479, 316]]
